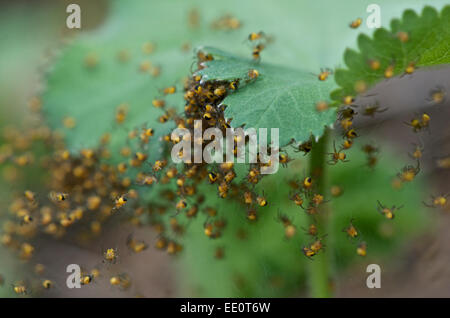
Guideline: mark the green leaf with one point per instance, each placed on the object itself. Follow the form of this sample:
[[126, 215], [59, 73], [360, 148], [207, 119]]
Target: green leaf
[[278, 98], [428, 44]]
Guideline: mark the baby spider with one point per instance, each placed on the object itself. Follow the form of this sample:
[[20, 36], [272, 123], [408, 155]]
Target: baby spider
[[181, 204], [57, 197], [210, 231], [47, 284], [336, 156], [297, 198], [307, 183], [349, 100], [439, 201], [389, 71], [256, 36], [317, 199], [374, 64], [369, 149], [410, 68], [311, 230], [336, 191], [20, 289], [311, 209], [212, 177], [346, 123], [284, 159], [350, 134], [251, 214], [252, 74], [443, 163], [309, 253], [418, 152], [324, 73], [347, 144], [30, 196], [403, 36], [420, 123], [317, 245], [26, 219], [135, 245], [351, 230], [361, 250], [346, 112], [120, 201], [169, 90], [356, 23], [304, 147], [437, 95], [409, 172], [147, 180], [261, 200], [110, 255], [387, 212], [256, 53], [372, 161], [371, 110], [289, 228]]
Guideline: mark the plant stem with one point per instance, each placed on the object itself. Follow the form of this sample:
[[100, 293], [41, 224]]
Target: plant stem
[[319, 273]]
